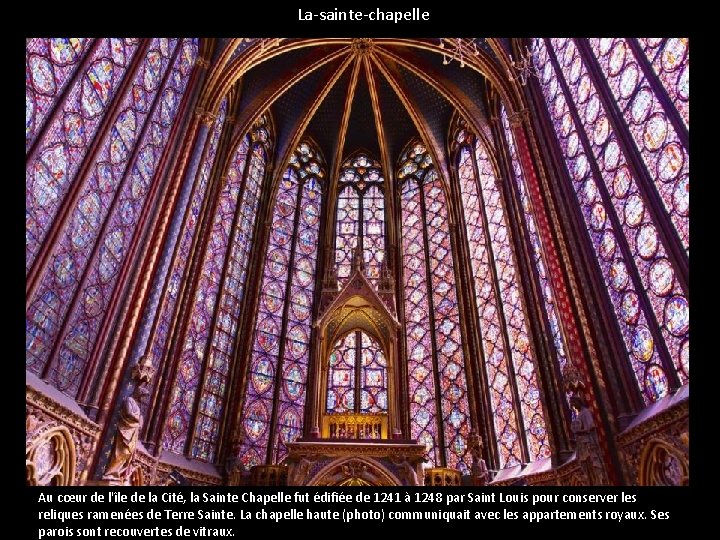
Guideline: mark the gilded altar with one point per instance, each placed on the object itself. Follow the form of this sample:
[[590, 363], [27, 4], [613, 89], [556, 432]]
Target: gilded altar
[[355, 426]]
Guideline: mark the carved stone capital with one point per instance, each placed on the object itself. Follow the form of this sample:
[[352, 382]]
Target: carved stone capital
[[206, 117], [517, 118]]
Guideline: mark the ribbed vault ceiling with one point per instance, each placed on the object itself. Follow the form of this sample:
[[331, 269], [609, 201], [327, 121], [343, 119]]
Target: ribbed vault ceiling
[[361, 95]]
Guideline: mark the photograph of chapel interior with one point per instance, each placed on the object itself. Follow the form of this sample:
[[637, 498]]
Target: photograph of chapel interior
[[357, 261]]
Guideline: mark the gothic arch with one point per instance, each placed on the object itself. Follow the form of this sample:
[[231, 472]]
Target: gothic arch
[[358, 306], [226, 72], [347, 470], [444, 180]]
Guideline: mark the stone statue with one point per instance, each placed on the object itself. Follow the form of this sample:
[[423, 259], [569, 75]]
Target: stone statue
[[587, 449], [354, 469], [120, 466], [479, 467]]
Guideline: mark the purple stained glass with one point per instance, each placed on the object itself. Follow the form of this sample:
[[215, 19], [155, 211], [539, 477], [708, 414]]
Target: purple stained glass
[[62, 146], [181, 401], [537, 248], [623, 197], [670, 60], [292, 396], [360, 216], [341, 375], [421, 383], [666, 159], [346, 235], [429, 280], [50, 64], [248, 180], [104, 181], [178, 252], [373, 231], [103, 273], [522, 355], [280, 352], [641, 235], [373, 376], [497, 362], [357, 366]]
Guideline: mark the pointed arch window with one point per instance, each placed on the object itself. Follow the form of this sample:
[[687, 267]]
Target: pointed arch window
[[272, 414], [357, 376], [198, 397], [509, 360], [360, 216], [439, 413]]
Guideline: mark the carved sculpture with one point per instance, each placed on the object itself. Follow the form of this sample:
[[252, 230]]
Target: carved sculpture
[[121, 466], [479, 467], [587, 449], [663, 464]]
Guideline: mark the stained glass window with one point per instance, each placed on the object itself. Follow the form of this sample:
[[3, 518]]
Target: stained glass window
[[92, 246], [50, 64], [357, 376], [177, 254], [658, 144], [347, 232], [439, 414], [188, 373], [209, 338], [231, 293], [154, 325], [535, 243], [361, 198], [103, 272], [281, 341], [650, 306], [509, 360], [61, 148], [670, 60]]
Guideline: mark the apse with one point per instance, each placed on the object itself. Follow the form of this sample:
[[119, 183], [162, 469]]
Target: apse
[[357, 261]]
